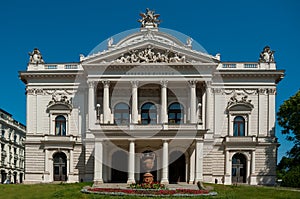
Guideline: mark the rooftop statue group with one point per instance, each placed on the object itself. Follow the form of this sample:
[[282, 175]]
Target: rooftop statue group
[[35, 57], [267, 55], [149, 19]]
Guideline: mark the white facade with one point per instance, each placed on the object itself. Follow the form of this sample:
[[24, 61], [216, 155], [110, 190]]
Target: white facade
[[12, 149], [205, 120]]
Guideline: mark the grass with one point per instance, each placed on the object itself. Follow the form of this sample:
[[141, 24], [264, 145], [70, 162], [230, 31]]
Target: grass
[[72, 191]]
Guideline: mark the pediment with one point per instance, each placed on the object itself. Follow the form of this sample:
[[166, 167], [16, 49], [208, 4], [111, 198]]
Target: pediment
[[240, 106], [59, 106], [153, 47]]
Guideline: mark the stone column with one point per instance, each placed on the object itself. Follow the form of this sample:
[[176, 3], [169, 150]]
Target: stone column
[[272, 113], [165, 162], [46, 171], [193, 112], [106, 109], [199, 161], [131, 162], [91, 105], [252, 175], [209, 120], [98, 159], [164, 102], [227, 177], [192, 167], [134, 107], [71, 162]]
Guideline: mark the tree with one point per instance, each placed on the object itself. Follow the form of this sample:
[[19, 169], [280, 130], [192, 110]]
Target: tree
[[288, 118]]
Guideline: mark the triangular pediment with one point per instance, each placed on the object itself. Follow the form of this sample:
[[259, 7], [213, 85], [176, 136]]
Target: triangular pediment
[[148, 47]]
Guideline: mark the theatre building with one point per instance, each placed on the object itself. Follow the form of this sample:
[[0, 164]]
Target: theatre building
[[151, 91]]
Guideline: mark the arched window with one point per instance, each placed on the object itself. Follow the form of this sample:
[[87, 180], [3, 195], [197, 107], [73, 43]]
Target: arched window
[[149, 113], [239, 126], [175, 113], [60, 125], [121, 113]]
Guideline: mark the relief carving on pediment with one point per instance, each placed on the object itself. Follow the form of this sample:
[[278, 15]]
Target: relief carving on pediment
[[150, 55]]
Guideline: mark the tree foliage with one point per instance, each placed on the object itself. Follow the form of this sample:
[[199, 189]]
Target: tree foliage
[[288, 118]]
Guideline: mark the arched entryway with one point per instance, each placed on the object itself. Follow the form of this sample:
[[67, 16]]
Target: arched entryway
[[59, 167], [239, 168], [119, 167], [177, 168], [3, 176]]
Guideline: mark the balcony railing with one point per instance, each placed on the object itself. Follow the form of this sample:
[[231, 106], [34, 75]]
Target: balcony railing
[[240, 139]]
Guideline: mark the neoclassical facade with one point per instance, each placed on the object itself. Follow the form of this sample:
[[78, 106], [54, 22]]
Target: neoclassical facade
[[151, 92], [12, 149]]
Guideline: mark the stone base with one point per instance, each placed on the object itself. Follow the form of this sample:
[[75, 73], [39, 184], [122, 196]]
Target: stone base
[[130, 181], [97, 182], [164, 181]]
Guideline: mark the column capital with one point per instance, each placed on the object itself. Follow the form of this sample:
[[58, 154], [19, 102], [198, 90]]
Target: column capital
[[91, 84], [134, 83], [106, 83], [164, 83], [192, 83], [131, 140]]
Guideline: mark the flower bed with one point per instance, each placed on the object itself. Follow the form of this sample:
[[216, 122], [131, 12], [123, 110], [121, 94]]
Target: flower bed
[[147, 192]]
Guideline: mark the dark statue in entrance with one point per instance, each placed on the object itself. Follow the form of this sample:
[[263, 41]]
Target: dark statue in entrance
[[148, 163]]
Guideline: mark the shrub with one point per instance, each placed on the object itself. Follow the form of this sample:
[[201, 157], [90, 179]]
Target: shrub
[[292, 178]]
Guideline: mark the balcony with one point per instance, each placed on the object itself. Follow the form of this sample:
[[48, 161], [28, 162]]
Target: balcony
[[240, 142]]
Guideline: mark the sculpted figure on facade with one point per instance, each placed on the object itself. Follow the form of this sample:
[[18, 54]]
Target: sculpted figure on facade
[[63, 99], [35, 57], [267, 55], [149, 19], [110, 42], [150, 55], [234, 100]]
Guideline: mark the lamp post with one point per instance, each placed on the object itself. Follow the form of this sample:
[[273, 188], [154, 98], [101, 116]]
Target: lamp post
[[98, 112]]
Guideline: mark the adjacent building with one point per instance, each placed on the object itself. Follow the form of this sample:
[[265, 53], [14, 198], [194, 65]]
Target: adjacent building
[[12, 149], [152, 91]]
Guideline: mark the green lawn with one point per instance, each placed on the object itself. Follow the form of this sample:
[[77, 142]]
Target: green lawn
[[73, 191]]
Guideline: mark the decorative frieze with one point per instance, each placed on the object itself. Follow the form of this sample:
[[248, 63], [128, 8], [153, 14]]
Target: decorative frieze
[[150, 55], [40, 91]]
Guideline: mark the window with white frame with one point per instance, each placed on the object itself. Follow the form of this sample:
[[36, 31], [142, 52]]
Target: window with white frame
[[60, 125]]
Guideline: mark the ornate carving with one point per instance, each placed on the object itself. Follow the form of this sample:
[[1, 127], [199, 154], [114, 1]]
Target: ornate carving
[[192, 83], [110, 42], [106, 83], [150, 55], [149, 19], [234, 100], [272, 91], [91, 84], [164, 83], [189, 42], [134, 83], [262, 91], [35, 57], [267, 55], [60, 99]]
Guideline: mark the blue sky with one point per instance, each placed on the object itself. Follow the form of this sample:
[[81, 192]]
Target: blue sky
[[64, 29]]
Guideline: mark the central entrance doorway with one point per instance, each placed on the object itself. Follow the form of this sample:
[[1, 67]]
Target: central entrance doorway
[[119, 167], [177, 167], [60, 167], [238, 168]]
